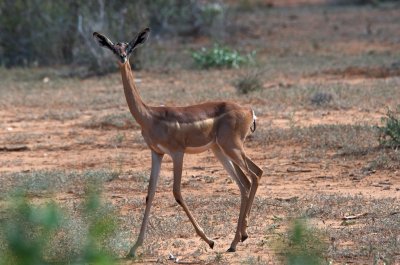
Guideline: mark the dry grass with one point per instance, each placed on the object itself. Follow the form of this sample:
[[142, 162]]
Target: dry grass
[[38, 183], [372, 236], [348, 140], [121, 121]]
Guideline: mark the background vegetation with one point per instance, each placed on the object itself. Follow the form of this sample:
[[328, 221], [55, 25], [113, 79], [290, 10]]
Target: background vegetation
[[45, 32], [59, 32]]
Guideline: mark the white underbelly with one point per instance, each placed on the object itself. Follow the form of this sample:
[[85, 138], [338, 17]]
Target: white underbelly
[[188, 149], [198, 149]]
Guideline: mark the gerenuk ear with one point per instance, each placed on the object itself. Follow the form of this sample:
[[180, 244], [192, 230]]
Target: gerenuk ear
[[138, 40], [103, 41]]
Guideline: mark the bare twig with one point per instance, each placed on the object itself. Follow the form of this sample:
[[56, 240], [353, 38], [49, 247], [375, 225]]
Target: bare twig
[[297, 170], [353, 217]]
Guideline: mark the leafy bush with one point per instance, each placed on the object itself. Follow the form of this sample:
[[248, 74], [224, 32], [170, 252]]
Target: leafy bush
[[28, 233], [220, 57], [389, 134], [249, 83]]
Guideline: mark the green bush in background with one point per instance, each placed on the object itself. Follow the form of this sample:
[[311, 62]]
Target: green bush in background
[[389, 133], [220, 57]]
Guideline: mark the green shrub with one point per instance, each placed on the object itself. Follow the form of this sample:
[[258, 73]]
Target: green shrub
[[220, 57], [249, 83], [389, 134]]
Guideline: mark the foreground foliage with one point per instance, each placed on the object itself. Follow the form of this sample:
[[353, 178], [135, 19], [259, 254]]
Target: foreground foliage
[[30, 230], [303, 245], [27, 231]]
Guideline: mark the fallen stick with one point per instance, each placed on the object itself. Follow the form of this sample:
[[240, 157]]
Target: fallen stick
[[352, 217], [14, 148], [298, 170]]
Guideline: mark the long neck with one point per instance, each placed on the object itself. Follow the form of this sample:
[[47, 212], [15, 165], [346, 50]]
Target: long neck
[[137, 107]]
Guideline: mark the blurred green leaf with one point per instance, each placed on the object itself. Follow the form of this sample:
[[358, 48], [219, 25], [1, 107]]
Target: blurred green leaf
[[302, 245]]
